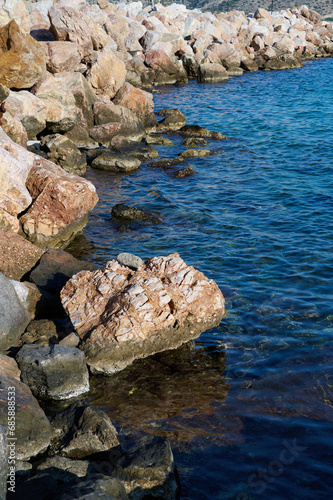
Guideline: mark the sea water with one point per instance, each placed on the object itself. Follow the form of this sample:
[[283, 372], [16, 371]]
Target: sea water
[[248, 405]]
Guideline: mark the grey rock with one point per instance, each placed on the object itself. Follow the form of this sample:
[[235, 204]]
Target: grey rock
[[184, 172], [56, 372], [40, 332], [65, 469], [14, 318], [149, 469], [115, 162], [159, 140], [64, 153], [32, 428], [129, 260], [190, 65], [83, 431], [173, 121]]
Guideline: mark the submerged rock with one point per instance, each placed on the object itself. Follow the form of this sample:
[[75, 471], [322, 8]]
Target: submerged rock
[[121, 211], [56, 372], [194, 142], [115, 162], [82, 431], [197, 131], [135, 314], [158, 139], [195, 153], [173, 121], [184, 172], [166, 162]]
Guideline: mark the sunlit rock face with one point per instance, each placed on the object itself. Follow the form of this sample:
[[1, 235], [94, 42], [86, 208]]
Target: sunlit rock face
[[121, 314]]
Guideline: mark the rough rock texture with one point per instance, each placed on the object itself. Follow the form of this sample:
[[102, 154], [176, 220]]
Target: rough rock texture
[[55, 203], [115, 162], [195, 153], [61, 56], [138, 101], [197, 131], [33, 430], [212, 72], [17, 255], [40, 332], [65, 469], [130, 124], [129, 260], [22, 59], [173, 121], [64, 153], [56, 372], [124, 212], [14, 318], [104, 80], [148, 470], [122, 315], [28, 109], [82, 431], [184, 172]]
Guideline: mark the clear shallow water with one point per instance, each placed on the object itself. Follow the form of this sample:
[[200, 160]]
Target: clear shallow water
[[258, 219]]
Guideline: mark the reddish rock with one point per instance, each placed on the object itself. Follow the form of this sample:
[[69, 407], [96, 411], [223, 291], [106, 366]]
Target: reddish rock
[[123, 314], [22, 59], [17, 255], [68, 24], [138, 101], [104, 133], [159, 60], [131, 124]]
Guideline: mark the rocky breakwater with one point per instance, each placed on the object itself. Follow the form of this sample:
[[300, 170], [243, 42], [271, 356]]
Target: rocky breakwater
[[122, 313]]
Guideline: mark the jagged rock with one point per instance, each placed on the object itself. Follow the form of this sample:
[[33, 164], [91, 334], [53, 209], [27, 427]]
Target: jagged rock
[[130, 124], [32, 428], [148, 469], [138, 101], [15, 10], [29, 296], [64, 153], [17, 255], [158, 307], [104, 133], [14, 317], [65, 469], [104, 81], [4, 93], [56, 372], [115, 162], [22, 60], [104, 488], [197, 131], [82, 431], [184, 172]]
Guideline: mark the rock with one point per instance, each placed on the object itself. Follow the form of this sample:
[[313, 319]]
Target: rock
[[61, 56], [121, 211], [160, 306], [56, 372], [55, 268], [28, 109], [3, 460], [149, 470], [14, 318], [41, 332], [32, 428], [68, 24], [4, 93], [129, 260], [138, 101], [194, 142], [82, 431], [190, 65], [131, 125], [71, 340], [196, 131], [103, 488], [22, 60], [161, 63], [29, 296], [173, 121], [104, 81], [23, 469], [212, 72], [115, 162], [15, 10], [166, 162], [249, 65], [64, 469], [158, 140], [17, 255], [184, 172], [195, 153], [134, 149], [64, 153], [104, 133]]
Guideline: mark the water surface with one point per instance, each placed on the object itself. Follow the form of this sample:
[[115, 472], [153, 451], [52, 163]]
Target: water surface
[[248, 405]]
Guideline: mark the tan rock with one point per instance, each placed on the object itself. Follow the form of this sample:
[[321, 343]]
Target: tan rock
[[136, 100], [130, 124], [104, 133], [160, 61], [68, 24], [14, 129], [22, 60], [28, 109], [108, 74], [55, 203], [17, 255], [209, 72], [15, 10], [160, 306], [262, 14], [61, 56]]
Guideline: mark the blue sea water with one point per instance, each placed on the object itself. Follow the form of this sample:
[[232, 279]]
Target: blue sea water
[[250, 416]]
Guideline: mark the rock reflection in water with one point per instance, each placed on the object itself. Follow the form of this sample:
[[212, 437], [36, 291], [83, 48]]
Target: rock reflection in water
[[178, 394]]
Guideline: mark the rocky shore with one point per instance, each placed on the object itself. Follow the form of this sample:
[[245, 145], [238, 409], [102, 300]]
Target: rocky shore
[[75, 91]]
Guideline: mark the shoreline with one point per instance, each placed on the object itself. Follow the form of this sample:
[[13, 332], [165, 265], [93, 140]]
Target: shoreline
[[76, 112]]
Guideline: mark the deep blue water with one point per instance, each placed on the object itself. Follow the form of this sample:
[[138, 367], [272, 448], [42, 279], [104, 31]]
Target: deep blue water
[[258, 219]]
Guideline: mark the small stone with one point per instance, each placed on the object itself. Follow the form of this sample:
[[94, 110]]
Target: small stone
[[195, 153], [129, 260], [159, 140], [71, 340], [184, 172], [55, 372], [194, 142]]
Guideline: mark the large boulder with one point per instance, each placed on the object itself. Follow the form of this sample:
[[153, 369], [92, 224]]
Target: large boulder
[[17, 255], [28, 109], [61, 56], [68, 24], [55, 204], [122, 315], [138, 101], [108, 74], [131, 125], [22, 59], [32, 428], [17, 10], [212, 72], [53, 372], [14, 317], [64, 153]]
